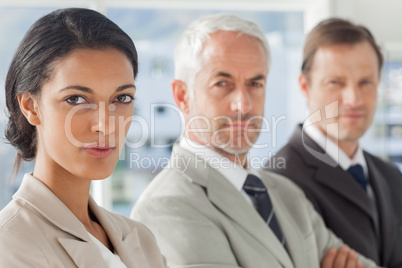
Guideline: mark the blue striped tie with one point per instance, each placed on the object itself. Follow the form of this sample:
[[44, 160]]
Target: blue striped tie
[[256, 189]]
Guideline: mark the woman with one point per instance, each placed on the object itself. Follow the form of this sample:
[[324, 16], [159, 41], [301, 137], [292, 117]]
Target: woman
[[69, 93]]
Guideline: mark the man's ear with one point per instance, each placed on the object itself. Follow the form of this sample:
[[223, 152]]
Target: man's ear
[[304, 85], [29, 107], [181, 95]]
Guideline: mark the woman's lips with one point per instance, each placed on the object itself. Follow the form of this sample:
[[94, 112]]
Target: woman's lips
[[98, 151]]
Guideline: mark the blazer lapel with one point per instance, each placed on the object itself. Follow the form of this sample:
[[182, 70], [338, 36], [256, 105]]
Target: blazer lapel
[[291, 230], [130, 247], [49, 206], [330, 174], [82, 253], [126, 246], [230, 201]]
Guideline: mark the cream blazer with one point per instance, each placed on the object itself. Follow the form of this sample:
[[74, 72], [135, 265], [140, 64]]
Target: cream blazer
[[200, 220], [38, 230]]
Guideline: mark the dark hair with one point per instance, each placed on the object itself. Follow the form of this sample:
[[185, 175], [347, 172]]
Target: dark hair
[[49, 39], [336, 31]]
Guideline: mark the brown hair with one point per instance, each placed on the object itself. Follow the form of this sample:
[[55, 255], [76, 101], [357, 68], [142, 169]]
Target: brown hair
[[336, 31]]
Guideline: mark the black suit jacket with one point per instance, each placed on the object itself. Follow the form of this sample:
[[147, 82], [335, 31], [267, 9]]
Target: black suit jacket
[[343, 204]]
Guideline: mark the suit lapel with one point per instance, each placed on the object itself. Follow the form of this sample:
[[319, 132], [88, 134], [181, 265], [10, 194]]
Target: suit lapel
[[234, 205], [231, 203], [383, 198], [290, 229], [331, 175], [344, 185]]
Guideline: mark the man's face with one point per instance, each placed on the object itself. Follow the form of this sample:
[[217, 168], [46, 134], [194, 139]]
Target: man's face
[[348, 75], [229, 93]]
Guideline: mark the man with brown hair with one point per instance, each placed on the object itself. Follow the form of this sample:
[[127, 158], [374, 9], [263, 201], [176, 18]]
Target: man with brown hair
[[357, 194]]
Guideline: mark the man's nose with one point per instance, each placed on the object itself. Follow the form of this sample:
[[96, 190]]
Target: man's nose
[[352, 96], [241, 101]]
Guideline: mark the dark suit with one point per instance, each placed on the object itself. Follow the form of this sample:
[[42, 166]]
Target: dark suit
[[344, 206]]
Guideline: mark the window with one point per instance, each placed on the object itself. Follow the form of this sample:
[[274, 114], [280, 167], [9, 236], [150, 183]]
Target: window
[[389, 110]]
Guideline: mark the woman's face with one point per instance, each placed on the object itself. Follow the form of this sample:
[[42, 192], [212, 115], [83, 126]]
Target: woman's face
[[85, 112]]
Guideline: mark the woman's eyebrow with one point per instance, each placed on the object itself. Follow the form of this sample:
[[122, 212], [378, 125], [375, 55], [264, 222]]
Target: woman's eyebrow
[[121, 88], [88, 90], [84, 89]]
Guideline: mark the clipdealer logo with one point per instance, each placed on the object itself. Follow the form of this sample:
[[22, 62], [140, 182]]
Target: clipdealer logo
[[329, 112], [146, 131]]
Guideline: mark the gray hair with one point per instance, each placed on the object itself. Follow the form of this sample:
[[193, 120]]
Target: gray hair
[[189, 47]]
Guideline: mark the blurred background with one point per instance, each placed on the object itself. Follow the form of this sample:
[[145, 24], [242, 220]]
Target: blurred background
[[155, 26]]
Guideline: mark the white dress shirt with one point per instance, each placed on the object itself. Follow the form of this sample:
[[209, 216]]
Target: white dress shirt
[[233, 172]]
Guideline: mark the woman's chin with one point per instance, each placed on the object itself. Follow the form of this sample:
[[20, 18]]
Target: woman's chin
[[98, 174]]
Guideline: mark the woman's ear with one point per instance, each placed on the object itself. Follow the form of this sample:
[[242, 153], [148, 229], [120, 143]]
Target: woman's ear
[[181, 95], [29, 107]]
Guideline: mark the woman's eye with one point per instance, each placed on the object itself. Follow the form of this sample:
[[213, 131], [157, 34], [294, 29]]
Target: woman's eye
[[75, 100], [124, 98]]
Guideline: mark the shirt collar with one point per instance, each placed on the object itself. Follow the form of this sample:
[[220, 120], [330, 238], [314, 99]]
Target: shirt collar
[[233, 172], [333, 150]]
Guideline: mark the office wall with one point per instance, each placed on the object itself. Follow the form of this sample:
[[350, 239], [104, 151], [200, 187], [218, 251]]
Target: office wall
[[382, 17]]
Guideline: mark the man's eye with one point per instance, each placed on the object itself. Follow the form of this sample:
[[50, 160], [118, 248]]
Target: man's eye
[[124, 98], [76, 100], [256, 84], [221, 84]]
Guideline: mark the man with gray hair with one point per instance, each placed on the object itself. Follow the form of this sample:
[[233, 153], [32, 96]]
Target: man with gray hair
[[209, 208]]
